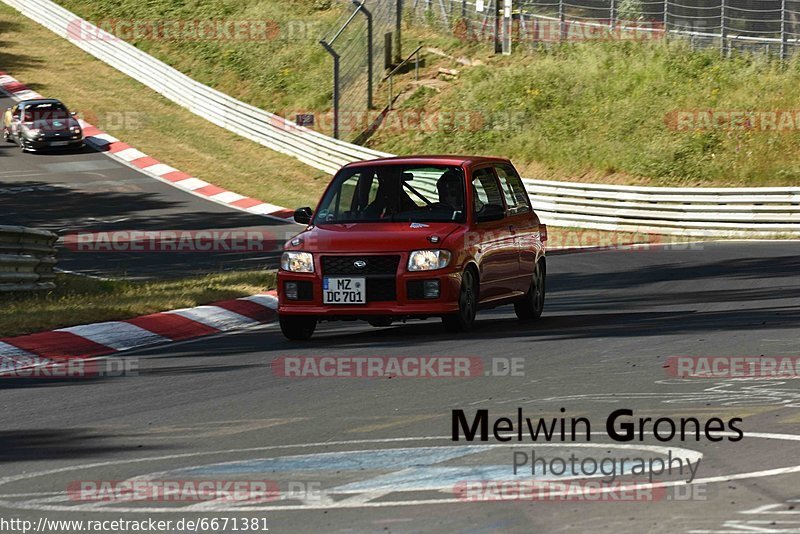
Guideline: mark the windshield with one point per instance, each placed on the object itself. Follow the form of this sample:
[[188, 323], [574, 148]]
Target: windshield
[[45, 112], [392, 193]]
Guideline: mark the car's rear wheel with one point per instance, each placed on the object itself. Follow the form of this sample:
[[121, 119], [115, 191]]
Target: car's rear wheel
[[297, 327], [464, 319], [531, 306]]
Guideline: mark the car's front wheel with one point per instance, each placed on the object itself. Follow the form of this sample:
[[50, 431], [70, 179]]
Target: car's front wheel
[[297, 327], [532, 305], [464, 318]]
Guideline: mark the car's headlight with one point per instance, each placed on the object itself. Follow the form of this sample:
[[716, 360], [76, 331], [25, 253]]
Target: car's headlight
[[297, 262], [428, 260], [76, 129], [33, 132]]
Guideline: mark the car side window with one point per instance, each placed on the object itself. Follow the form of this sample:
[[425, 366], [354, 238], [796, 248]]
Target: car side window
[[15, 112], [485, 190], [513, 189]]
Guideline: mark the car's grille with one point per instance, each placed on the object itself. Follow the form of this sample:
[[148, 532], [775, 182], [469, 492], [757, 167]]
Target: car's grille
[[374, 265]]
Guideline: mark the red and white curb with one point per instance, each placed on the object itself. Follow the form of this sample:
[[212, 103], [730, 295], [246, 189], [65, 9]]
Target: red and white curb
[[102, 339], [128, 155]]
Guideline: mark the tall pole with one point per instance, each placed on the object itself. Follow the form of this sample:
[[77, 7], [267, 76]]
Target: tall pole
[[336, 95], [612, 14], [783, 30], [398, 30], [498, 45], [722, 33], [363, 9]]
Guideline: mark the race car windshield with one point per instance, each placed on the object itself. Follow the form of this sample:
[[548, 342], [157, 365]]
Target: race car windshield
[[45, 112], [394, 193]]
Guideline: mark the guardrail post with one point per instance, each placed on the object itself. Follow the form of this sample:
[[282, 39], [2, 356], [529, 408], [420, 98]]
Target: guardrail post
[[335, 57]]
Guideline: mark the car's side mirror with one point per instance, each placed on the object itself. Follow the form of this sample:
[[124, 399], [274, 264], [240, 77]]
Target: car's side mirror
[[303, 215], [491, 212], [73, 113]]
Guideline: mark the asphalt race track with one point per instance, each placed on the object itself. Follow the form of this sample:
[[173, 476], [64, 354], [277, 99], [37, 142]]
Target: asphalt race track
[[90, 192], [380, 448]]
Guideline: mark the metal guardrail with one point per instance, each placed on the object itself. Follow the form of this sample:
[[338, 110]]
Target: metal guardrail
[[27, 258], [687, 211]]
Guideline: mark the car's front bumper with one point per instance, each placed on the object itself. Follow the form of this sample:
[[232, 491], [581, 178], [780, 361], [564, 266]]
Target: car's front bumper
[[404, 304], [52, 144]]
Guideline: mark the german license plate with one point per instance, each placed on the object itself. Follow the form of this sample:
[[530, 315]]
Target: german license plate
[[59, 143], [344, 290]]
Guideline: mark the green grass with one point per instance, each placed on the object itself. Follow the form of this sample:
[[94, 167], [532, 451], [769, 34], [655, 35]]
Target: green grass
[[585, 111], [81, 300], [598, 112]]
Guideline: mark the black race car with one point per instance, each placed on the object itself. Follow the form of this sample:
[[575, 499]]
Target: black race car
[[42, 123]]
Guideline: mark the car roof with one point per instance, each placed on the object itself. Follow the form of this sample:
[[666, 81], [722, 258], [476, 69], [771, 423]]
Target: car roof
[[41, 101], [429, 160]]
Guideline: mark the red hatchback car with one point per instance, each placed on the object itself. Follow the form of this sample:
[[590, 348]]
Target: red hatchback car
[[414, 237]]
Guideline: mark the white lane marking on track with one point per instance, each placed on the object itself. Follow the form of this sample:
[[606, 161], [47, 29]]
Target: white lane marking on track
[[160, 169], [116, 334], [264, 208], [191, 183], [227, 197], [269, 301], [638, 486], [215, 317], [130, 154], [10, 351]]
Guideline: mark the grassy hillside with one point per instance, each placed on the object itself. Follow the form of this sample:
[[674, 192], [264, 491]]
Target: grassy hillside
[[605, 112], [592, 112]]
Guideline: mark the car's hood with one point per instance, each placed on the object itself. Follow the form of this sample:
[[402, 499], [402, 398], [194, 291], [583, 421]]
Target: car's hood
[[374, 237], [52, 125]]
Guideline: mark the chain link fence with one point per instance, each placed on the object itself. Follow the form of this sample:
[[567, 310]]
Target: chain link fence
[[362, 44], [771, 26]]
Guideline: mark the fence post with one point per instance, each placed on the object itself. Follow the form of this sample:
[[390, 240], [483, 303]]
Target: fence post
[[666, 19], [398, 30], [498, 45], [367, 14], [611, 15], [722, 34], [561, 25], [783, 30], [335, 57]]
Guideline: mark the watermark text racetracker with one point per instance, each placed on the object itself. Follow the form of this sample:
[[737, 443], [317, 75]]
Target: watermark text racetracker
[[210, 240], [590, 491], [396, 367], [69, 368], [193, 30], [765, 367]]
